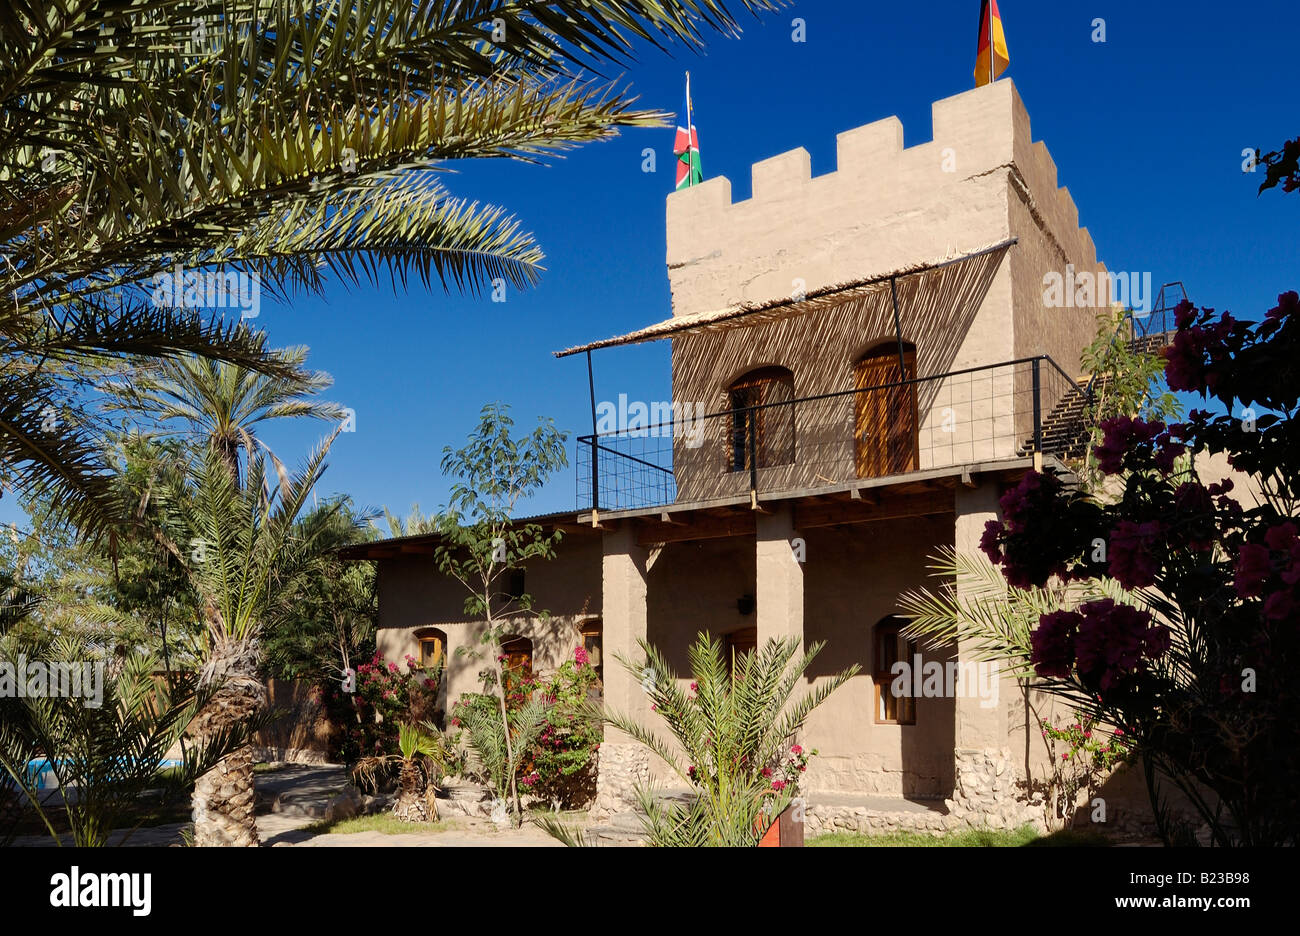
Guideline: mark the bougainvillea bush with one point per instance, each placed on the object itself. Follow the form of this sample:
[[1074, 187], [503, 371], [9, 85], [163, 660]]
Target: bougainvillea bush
[[1083, 754], [564, 756], [559, 763], [1200, 669], [387, 695]]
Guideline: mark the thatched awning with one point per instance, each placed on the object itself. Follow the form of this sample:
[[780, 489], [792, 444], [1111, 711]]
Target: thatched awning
[[827, 297]]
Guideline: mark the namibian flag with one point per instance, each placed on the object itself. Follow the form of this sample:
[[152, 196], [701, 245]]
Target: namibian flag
[[687, 148], [992, 58]]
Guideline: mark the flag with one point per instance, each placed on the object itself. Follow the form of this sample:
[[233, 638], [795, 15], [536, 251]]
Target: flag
[[687, 148], [992, 57]]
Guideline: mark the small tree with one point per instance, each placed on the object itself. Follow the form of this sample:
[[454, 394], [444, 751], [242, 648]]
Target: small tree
[[1126, 382], [1283, 167], [481, 542]]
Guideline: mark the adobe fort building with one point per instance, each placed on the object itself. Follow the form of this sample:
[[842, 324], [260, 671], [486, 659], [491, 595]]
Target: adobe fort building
[[874, 365]]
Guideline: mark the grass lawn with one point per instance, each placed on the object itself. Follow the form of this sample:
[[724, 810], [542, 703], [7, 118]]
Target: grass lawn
[[971, 838], [379, 822]]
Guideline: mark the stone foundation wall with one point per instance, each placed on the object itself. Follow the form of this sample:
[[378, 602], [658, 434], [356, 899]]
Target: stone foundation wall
[[989, 793], [620, 768], [820, 819]]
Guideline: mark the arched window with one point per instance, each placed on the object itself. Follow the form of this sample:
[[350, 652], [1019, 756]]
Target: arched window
[[762, 435], [518, 653], [896, 708], [433, 647], [885, 434]]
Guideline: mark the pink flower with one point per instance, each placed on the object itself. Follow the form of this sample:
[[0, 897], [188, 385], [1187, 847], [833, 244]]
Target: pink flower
[[695, 687], [1279, 606], [767, 771], [1052, 643], [580, 656], [778, 785], [1254, 566], [796, 749], [392, 667], [1135, 550]]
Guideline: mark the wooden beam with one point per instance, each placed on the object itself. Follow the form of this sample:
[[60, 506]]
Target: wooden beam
[[574, 529], [419, 549], [697, 527], [811, 515]]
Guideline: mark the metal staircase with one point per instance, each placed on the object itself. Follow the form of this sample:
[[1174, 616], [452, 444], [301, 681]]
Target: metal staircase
[[1065, 429]]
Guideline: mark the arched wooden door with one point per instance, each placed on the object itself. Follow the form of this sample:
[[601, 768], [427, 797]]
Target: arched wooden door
[[884, 421]]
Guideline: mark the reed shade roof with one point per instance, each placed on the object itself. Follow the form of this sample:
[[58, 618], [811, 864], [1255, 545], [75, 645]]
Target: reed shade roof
[[943, 281]]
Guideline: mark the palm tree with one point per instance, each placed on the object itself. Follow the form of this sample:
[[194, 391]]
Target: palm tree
[[325, 613], [731, 731], [415, 523], [220, 404], [245, 544], [422, 759], [285, 139], [109, 753]]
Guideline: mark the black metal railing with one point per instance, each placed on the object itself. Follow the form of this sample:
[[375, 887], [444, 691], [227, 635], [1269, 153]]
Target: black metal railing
[[962, 417]]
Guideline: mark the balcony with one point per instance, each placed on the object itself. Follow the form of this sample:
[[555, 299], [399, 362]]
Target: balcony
[[962, 418]]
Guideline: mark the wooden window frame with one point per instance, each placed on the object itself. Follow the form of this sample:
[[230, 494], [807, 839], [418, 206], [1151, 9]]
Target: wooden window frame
[[774, 441], [729, 645], [886, 423], [435, 636], [532, 649], [594, 630], [904, 706]]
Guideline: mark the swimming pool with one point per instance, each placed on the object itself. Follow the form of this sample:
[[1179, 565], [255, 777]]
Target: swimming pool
[[42, 776]]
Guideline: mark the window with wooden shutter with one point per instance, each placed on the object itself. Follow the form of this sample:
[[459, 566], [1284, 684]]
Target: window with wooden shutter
[[891, 647], [737, 644], [760, 404], [433, 648], [885, 434]]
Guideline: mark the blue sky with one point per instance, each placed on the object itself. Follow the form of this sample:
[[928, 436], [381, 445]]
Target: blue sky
[[1146, 129]]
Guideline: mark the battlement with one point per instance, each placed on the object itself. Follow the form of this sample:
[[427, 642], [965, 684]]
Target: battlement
[[885, 206]]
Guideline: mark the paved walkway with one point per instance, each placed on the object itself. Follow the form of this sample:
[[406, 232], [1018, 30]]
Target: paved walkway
[[457, 832]]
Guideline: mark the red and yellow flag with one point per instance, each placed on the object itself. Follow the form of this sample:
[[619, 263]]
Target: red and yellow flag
[[992, 58]]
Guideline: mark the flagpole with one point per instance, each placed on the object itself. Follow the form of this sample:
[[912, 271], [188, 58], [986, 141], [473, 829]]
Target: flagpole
[[991, 50], [690, 119]]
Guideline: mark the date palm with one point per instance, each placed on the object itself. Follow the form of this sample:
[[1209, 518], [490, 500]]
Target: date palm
[[290, 139], [220, 404], [728, 732], [108, 754], [422, 757], [245, 545]]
